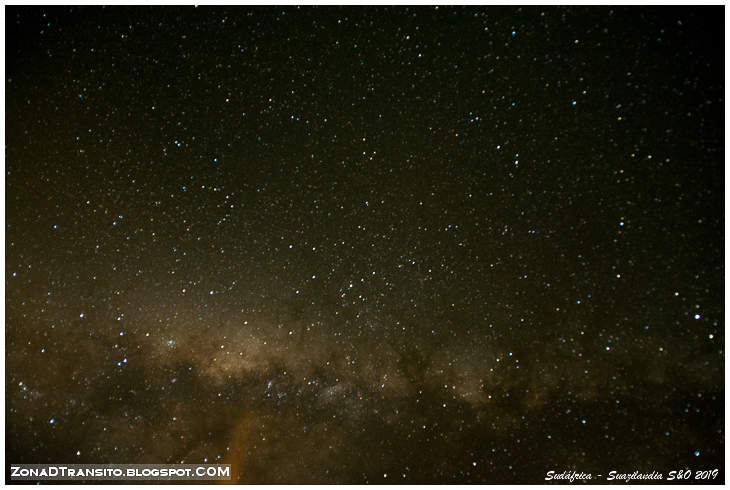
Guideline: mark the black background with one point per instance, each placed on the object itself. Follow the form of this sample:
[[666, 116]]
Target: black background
[[349, 245]]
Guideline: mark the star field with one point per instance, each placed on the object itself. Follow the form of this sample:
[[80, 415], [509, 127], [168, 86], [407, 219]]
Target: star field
[[366, 244]]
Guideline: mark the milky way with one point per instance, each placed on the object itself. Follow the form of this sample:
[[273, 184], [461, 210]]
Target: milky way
[[366, 245]]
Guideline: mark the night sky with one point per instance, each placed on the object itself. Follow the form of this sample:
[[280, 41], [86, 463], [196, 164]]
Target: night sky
[[366, 245]]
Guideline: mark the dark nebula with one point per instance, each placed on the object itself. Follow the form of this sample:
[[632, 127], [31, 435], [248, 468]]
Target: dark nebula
[[366, 245]]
